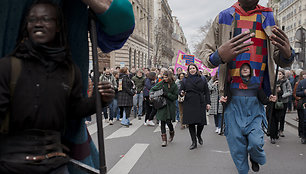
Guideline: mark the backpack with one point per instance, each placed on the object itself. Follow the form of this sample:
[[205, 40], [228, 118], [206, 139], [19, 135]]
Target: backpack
[[16, 67]]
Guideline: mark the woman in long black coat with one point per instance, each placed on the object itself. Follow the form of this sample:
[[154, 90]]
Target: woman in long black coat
[[197, 101], [126, 91]]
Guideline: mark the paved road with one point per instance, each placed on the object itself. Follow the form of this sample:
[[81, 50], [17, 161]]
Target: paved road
[[137, 150]]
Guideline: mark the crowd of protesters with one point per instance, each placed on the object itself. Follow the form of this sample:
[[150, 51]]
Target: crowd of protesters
[[133, 98]]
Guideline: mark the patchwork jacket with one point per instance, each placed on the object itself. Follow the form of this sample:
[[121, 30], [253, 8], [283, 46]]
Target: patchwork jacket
[[222, 30]]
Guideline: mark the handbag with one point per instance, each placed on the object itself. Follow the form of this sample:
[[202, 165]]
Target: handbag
[[180, 98], [279, 105], [157, 99]]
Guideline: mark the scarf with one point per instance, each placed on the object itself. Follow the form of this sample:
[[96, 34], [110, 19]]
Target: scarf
[[50, 57], [258, 8]]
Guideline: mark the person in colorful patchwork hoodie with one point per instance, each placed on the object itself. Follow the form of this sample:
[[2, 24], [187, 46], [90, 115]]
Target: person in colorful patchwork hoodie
[[246, 33]]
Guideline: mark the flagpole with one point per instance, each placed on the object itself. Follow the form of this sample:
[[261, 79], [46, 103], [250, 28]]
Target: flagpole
[[93, 37]]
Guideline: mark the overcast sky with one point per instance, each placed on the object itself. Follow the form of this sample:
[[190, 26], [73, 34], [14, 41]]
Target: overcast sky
[[194, 13]]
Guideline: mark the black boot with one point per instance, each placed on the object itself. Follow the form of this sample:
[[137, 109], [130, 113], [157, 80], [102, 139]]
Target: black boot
[[255, 165], [193, 137], [193, 145], [199, 132], [200, 140]]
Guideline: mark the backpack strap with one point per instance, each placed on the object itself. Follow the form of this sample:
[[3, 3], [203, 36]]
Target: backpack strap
[[15, 73], [71, 77], [16, 66]]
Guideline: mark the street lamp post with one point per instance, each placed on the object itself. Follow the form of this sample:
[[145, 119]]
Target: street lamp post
[[148, 16]]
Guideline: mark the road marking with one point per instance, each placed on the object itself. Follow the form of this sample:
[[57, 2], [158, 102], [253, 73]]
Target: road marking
[[128, 161], [92, 129], [220, 151], [158, 127], [125, 132]]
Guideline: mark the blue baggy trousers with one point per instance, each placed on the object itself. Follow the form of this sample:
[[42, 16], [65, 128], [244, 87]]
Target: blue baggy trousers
[[243, 117]]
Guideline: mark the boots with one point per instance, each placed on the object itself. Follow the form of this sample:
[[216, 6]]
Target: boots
[[200, 139], [194, 142], [193, 145], [164, 140], [171, 136]]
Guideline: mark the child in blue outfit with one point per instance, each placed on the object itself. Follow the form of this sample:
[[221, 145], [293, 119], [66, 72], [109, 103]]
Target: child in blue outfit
[[243, 118]]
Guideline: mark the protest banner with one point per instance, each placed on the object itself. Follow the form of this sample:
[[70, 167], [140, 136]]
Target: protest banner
[[183, 60]]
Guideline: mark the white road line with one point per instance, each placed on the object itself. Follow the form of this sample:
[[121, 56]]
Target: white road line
[[128, 161], [93, 128], [158, 128], [124, 132], [220, 151]]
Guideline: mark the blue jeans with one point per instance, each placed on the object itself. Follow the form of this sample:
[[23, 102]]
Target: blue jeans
[[113, 109], [125, 121], [177, 111], [104, 110], [138, 99], [243, 130], [217, 118]]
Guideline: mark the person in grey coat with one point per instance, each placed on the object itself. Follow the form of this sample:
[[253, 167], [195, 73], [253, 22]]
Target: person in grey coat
[[284, 91], [216, 106], [284, 98]]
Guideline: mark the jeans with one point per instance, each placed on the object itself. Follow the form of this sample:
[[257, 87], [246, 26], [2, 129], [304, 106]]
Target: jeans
[[177, 111], [113, 109], [138, 99], [217, 118], [126, 110], [104, 110], [150, 111]]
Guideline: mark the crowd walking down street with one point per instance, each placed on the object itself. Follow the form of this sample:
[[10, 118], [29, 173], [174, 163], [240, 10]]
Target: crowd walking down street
[[248, 117]]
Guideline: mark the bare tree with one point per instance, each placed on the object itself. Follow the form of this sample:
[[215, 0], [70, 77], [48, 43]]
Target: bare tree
[[199, 38], [162, 37]]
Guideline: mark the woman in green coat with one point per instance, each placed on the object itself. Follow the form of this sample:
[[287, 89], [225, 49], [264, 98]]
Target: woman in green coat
[[167, 114]]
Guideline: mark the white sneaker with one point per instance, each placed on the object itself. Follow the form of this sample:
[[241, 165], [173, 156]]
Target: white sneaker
[[106, 121], [111, 122], [145, 124], [217, 129], [150, 123]]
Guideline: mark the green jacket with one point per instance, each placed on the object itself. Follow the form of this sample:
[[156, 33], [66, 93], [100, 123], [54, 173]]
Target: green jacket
[[139, 83], [168, 112]]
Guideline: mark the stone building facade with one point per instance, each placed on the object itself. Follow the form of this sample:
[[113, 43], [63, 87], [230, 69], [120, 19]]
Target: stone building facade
[[290, 15], [163, 30], [156, 34], [135, 51]]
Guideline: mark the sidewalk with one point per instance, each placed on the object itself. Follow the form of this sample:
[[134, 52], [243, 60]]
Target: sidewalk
[[291, 119]]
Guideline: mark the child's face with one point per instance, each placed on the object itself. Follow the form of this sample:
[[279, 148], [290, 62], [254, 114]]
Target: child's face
[[245, 71]]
